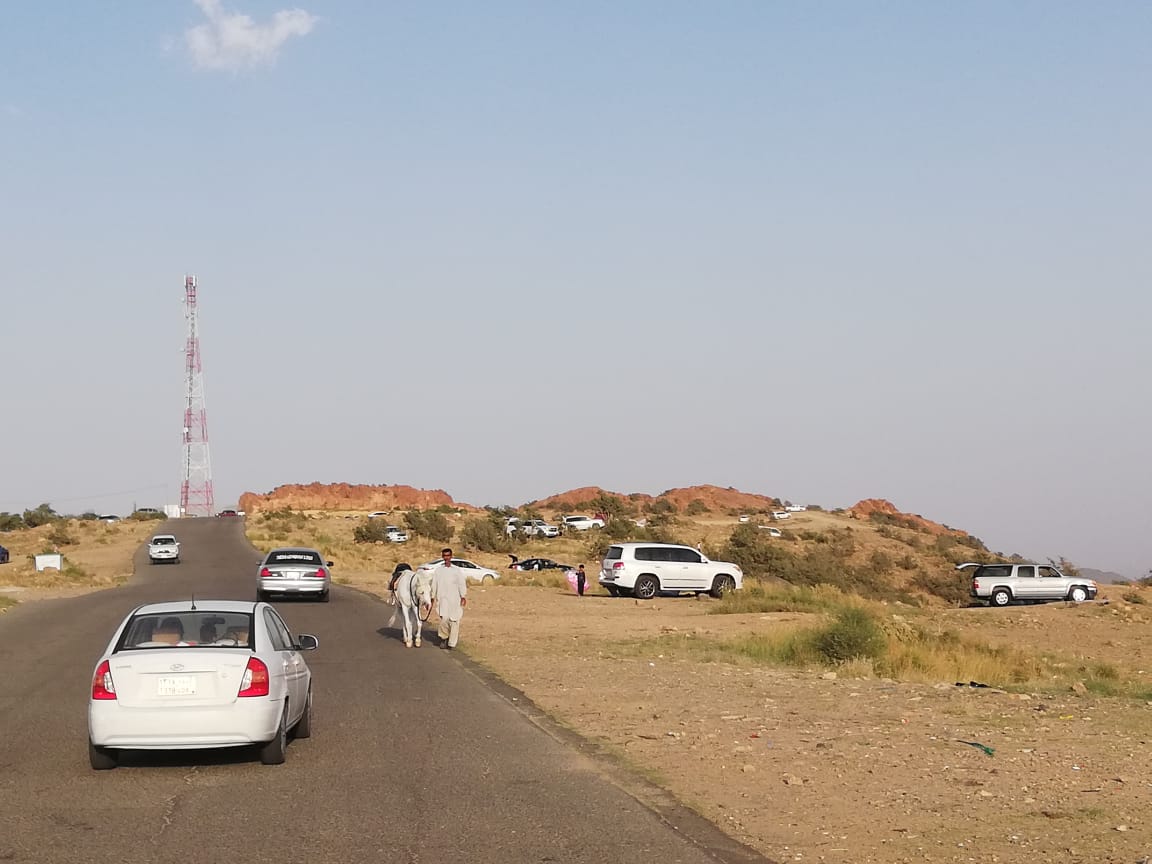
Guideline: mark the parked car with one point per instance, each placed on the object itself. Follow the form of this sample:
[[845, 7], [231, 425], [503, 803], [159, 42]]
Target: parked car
[[395, 534], [108, 517], [164, 547], [796, 508], [582, 523], [772, 532], [200, 674], [644, 570], [1003, 584], [539, 528], [294, 570], [474, 571], [377, 514], [3, 555], [743, 517], [229, 513], [540, 564], [781, 514]]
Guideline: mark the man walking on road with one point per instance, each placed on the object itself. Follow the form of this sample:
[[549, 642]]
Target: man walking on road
[[450, 594]]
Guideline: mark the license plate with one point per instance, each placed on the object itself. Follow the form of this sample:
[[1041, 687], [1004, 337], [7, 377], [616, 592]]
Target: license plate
[[184, 685]]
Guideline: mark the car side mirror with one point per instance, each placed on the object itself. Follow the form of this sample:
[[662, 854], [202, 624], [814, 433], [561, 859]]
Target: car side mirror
[[306, 642]]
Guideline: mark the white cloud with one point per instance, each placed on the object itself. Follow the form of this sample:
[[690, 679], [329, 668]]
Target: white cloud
[[232, 40]]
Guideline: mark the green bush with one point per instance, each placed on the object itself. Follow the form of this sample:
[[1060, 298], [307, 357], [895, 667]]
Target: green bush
[[696, 507], [42, 515], [370, 532], [951, 585], [11, 521], [429, 523], [854, 635], [147, 516], [59, 535], [486, 534]]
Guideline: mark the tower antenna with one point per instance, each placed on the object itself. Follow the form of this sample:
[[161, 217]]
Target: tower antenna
[[196, 498]]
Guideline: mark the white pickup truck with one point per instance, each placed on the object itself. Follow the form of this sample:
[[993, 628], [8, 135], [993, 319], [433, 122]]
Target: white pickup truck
[[164, 548]]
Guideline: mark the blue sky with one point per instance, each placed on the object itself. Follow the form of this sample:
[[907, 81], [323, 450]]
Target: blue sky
[[821, 251]]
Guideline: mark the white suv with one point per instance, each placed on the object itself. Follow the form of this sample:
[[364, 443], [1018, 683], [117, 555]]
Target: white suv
[[644, 570], [539, 528]]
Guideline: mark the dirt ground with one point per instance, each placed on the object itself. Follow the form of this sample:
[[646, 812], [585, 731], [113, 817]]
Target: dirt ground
[[812, 766], [823, 766]]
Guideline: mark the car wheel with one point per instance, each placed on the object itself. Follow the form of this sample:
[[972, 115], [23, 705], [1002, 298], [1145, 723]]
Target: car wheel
[[1078, 594], [324, 597], [102, 758], [646, 587], [722, 585], [303, 727], [1001, 597], [272, 753]]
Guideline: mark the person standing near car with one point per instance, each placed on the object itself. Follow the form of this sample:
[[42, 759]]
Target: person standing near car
[[580, 580], [450, 595]]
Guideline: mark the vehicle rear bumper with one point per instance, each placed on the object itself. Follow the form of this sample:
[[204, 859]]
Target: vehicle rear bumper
[[292, 586], [245, 721]]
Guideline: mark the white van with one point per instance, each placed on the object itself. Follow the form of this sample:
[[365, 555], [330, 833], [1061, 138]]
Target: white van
[[644, 570]]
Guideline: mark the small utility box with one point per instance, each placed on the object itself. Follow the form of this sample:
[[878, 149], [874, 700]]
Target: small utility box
[[49, 562]]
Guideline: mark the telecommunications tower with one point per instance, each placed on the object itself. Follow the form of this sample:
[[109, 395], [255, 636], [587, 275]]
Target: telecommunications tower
[[196, 489]]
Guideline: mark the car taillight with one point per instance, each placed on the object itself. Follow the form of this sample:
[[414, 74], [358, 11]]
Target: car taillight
[[255, 680], [619, 565], [265, 572], [320, 574], [102, 684], [975, 584]]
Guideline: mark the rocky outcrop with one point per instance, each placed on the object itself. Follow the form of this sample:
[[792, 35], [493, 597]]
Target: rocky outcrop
[[716, 498], [864, 510], [347, 496]]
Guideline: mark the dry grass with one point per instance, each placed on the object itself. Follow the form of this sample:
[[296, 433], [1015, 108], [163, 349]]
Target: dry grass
[[96, 554]]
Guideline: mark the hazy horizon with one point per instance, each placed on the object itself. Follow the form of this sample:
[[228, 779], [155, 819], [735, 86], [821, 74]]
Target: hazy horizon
[[823, 252]]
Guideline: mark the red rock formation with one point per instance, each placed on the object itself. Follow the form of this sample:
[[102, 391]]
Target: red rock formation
[[864, 510], [715, 498], [347, 496]]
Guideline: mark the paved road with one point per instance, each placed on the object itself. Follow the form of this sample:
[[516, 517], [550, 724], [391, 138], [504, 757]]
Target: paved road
[[414, 757]]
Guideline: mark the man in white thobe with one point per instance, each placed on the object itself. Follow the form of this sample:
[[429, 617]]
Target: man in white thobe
[[450, 594]]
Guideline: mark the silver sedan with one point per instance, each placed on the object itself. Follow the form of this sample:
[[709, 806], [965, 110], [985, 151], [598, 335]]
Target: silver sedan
[[294, 570]]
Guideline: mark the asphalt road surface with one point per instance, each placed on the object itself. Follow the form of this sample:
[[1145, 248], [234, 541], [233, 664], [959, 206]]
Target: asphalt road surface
[[416, 756]]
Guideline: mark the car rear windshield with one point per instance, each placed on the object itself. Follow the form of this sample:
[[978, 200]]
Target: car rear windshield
[[995, 571], [202, 629], [294, 558], [163, 541], [615, 553]]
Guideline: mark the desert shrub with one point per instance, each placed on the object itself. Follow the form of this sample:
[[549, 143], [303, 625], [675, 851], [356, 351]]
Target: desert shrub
[[145, 516], [854, 635], [486, 534], [887, 533], [696, 507], [372, 531], [1134, 597], [661, 506], [906, 562], [972, 542], [429, 523], [614, 507], [59, 535], [1066, 567], [880, 562], [11, 521], [42, 515], [948, 585]]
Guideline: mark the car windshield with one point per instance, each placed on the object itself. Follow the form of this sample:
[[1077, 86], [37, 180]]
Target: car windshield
[[294, 557], [202, 629]]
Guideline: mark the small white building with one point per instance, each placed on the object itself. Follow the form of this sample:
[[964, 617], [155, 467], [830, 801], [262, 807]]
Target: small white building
[[53, 561]]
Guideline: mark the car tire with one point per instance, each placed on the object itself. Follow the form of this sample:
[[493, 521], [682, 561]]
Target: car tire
[[646, 587], [721, 585], [272, 753], [1000, 597], [1078, 594], [303, 728], [324, 597], [101, 758]]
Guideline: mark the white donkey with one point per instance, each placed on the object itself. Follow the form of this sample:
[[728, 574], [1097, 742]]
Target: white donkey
[[413, 595]]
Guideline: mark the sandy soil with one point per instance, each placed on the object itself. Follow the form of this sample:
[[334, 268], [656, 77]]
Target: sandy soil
[[812, 766]]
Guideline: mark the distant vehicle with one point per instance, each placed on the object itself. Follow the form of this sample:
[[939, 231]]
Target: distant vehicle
[[582, 523], [377, 514], [540, 564], [539, 528], [781, 514], [227, 513], [1003, 584], [796, 508], [474, 572], [743, 517], [395, 534], [772, 532], [164, 548], [3, 555], [200, 674], [294, 570], [149, 511], [644, 570], [108, 517]]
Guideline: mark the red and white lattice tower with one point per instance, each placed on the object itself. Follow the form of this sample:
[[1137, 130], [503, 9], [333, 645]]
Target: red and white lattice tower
[[196, 489]]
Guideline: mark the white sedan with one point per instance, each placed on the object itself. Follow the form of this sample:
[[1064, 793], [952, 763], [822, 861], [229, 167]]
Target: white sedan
[[198, 674], [475, 572]]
